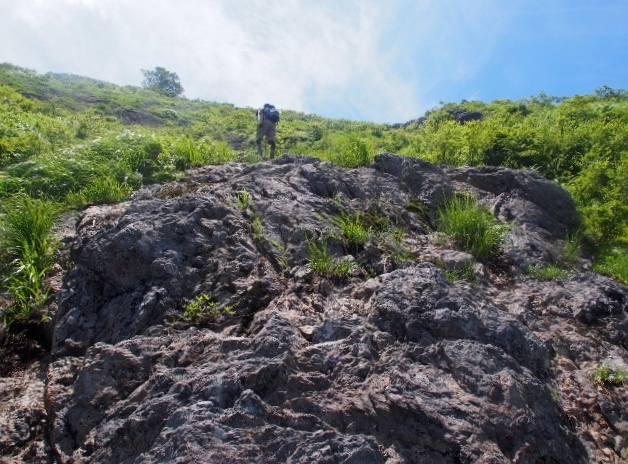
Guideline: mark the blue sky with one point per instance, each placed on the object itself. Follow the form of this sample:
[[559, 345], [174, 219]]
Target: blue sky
[[383, 61]]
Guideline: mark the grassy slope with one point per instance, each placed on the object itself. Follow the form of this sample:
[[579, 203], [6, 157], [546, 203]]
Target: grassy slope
[[74, 141]]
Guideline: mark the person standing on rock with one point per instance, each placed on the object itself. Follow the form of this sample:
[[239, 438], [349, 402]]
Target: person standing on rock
[[267, 118]]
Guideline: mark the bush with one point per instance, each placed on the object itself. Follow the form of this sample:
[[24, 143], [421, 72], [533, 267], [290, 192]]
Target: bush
[[354, 152], [28, 250], [613, 262], [471, 226]]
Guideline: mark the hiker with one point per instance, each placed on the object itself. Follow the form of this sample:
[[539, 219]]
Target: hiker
[[267, 117]]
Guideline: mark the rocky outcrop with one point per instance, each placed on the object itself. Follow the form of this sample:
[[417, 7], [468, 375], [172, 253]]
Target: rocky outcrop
[[390, 363]]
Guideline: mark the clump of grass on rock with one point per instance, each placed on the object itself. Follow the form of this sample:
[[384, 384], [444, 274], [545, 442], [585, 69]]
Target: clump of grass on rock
[[471, 226]]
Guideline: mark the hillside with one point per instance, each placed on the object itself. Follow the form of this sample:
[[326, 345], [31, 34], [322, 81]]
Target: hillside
[[377, 293]]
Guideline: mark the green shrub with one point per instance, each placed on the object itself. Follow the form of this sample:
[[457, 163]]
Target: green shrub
[[613, 262], [471, 226], [607, 376], [354, 152], [203, 309], [28, 250]]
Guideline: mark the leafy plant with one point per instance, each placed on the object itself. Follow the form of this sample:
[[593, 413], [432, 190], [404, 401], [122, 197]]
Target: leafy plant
[[28, 248], [607, 376], [203, 309], [470, 225]]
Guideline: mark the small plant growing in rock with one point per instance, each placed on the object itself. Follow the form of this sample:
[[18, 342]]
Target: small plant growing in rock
[[573, 248], [393, 240], [282, 259], [466, 274], [470, 225], [353, 229], [204, 309], [547, 272], [256, 227], [606, 376], [323, 263], [243, 199]]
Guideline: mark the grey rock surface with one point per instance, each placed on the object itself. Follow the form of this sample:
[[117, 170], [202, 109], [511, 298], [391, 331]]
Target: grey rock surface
[[392, 363]]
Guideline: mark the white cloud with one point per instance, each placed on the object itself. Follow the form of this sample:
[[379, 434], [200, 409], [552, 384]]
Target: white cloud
[[293, 53]]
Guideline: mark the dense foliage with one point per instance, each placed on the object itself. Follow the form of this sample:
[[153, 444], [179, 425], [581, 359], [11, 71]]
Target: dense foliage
[[162, 80], [73, 141]]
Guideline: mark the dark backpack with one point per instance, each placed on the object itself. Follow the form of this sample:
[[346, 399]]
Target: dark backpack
[[271, 113]]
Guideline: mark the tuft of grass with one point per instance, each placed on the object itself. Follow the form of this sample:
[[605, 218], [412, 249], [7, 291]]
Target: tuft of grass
[[256, 227], [353, 229], [324, 264], [471, 226], [354, 152], [282, 257], [573, 247], [243, 199], [393, 240], [204, 309], [548, 272], [466, 274], [106, 190], [28, 247], [606, 376]]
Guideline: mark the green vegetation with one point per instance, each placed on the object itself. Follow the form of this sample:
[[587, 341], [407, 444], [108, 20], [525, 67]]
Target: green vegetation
[[72, 141], [323, 263], [203, 309], [607, 376], [548, 272], [28, 251], [353, 229], [573, 247], [243, 199], [282, 257], [470, 225], [466, 274], [163, 81]]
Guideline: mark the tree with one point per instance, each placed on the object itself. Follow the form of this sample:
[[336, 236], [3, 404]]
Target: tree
[[163, 81]]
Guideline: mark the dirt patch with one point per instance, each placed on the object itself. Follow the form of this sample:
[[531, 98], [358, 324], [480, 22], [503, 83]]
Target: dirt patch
[[130, 116]]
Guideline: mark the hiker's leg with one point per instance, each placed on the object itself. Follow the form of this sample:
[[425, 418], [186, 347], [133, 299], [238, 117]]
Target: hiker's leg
[[258, 139], [270, 137]]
